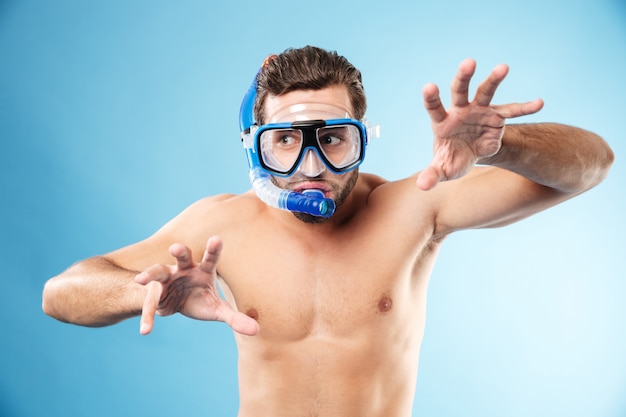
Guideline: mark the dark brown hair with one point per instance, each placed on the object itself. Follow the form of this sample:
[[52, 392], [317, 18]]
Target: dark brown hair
[[308, 68]]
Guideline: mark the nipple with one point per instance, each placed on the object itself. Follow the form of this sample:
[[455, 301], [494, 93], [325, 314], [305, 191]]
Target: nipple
[[385, 304], [253, 313]]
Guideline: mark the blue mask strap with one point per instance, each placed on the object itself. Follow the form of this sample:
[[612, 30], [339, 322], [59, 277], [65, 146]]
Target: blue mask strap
[[313, 203]]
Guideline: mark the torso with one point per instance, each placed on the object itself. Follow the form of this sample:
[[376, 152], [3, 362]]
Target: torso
[[341, 310]]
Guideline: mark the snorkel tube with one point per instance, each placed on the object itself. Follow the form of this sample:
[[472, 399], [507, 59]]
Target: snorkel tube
[[310, 202]]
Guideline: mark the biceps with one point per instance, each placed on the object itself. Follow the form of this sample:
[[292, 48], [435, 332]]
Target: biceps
[[141, 255], [492, 197]]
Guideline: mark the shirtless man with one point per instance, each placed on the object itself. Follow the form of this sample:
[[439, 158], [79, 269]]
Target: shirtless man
[[329, 313]]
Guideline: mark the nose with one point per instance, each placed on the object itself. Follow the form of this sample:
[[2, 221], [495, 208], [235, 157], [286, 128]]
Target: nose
[[311, 165]]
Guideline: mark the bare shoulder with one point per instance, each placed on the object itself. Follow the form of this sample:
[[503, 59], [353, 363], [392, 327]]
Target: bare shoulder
[[207, 205], [401, 203], [394, 192], [211, 215], [192, 227], [470, 201]]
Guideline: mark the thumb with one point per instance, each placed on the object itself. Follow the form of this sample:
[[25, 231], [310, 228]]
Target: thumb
[[244, 324], [429, 178], [239, 322]]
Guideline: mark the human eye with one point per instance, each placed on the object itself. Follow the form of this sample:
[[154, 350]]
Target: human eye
[[285, 138], [331, 140], [334, 136]]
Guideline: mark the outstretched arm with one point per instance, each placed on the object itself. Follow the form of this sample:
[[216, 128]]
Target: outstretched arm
[[98, 292], [190, 288], [468, 130], [565, 158], [147, 278], [95, 292], [543, 163]]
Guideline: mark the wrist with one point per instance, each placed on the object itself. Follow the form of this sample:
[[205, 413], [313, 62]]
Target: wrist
[[508, 150]]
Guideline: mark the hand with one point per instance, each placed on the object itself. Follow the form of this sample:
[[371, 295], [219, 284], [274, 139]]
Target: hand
[[467, 131], [190, 289]]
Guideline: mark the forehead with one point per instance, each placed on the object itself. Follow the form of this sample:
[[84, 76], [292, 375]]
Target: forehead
[[329, 103]]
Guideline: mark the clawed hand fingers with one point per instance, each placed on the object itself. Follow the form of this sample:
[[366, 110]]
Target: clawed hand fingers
[[509, 111], [238, 321], [211, 255], [182, 255], [460, 89], [487, 89], [189, 288], [460, 84], [150, 305], [160, 273], [433, 104]]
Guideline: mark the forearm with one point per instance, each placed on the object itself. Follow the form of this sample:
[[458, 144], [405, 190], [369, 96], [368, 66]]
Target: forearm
[[565, 158], [94, 292]]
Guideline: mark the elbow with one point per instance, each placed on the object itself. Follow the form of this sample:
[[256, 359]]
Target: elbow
[[49, 299], [608, 160], [596, 164], [605, 161]]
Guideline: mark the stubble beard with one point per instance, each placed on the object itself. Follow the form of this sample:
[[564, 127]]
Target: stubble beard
[[341, 193]]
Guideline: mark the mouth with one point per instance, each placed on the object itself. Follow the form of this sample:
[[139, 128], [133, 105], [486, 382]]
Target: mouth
[[309, 186]]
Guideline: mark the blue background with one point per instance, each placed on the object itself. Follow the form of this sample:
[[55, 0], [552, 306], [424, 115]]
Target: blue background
[[115, 115]]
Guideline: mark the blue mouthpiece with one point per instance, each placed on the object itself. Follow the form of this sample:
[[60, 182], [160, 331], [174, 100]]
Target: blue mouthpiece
[[312, 202]]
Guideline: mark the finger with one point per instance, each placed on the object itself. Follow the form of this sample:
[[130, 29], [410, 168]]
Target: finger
[[160, 273], [429, 178], [487, 89], [461, 81], [211, 255], [508, 111], [150, 305], [182, 255], [239, 322], [432, 103]]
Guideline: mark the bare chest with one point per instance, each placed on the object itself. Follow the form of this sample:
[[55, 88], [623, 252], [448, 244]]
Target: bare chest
[[296, 292]]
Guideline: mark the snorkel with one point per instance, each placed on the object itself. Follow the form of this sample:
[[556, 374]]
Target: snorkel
[[310, 202]]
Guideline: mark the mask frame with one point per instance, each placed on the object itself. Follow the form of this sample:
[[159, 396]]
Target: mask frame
[[309, 130]]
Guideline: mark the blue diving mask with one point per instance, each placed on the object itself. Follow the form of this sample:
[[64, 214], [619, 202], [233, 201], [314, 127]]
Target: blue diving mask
[[281, 148], [338, 143]]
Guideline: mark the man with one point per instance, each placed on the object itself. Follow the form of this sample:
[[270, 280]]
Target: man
[[328, 311]]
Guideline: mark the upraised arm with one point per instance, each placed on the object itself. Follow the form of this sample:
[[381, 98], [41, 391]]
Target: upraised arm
[[532, 166], [565, 158], [468, 130], [538, 166]]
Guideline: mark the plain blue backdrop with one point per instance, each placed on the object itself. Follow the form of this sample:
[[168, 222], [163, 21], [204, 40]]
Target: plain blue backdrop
[[115, 115]]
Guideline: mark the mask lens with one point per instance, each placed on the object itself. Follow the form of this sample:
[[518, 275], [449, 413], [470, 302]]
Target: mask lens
[[280, 148], [340, 144]]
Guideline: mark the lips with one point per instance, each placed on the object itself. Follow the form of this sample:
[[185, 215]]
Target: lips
[[301, 188]]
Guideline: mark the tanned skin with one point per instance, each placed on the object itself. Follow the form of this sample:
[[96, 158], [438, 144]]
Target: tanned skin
[[329, 316]]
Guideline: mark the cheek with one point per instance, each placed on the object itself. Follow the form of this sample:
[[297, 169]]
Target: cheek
[[279, 182], [342, 191]]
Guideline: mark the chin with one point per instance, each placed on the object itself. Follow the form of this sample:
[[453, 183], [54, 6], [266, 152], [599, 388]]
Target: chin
[[310, 219], [341, 194]]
